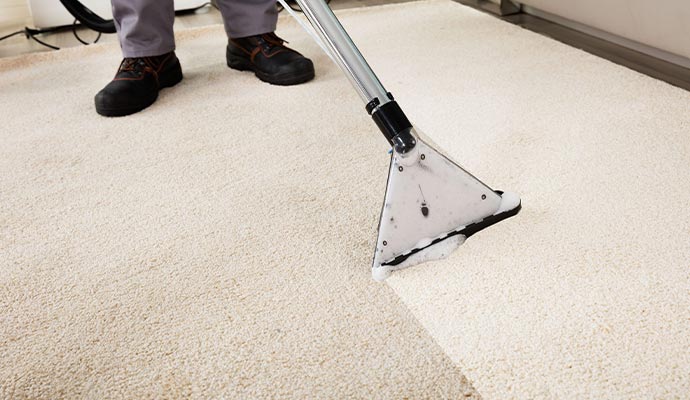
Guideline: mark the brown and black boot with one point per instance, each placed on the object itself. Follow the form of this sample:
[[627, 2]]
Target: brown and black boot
[[136, 84], [270, 59]]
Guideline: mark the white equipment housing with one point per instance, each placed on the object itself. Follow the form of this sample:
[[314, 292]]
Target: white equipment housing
[[51, 13]]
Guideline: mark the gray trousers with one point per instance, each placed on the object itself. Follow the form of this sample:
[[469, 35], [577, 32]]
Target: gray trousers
[[145, 27]]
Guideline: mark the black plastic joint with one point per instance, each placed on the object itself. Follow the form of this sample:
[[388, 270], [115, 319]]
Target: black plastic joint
[[371, 106], [395, 126]]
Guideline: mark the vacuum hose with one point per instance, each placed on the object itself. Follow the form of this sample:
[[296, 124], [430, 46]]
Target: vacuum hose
[[88, 18]]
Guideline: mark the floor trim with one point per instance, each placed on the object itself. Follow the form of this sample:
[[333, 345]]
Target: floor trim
[[655, 67]]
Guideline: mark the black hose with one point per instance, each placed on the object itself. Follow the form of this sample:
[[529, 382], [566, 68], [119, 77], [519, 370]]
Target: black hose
[[89, 18]]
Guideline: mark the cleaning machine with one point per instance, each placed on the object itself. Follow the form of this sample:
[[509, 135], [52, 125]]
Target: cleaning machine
[[431, 204]]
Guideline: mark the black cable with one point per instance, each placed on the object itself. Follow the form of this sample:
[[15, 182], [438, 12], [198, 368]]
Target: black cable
[[74, 31], [31, 34], [32, 31], [44, 43], [12, 34]]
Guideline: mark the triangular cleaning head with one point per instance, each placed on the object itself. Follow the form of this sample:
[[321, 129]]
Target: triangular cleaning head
[[431, 206]]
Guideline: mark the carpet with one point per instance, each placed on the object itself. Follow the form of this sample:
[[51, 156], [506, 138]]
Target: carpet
[[218, 244]]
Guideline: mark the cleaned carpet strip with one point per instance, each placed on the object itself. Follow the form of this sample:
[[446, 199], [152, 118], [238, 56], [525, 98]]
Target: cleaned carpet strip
[[219, 243], [586, 293], [216, 245]]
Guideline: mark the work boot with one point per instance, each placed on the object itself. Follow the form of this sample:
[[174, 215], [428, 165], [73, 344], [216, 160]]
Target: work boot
[[136, 84], [270, 60]]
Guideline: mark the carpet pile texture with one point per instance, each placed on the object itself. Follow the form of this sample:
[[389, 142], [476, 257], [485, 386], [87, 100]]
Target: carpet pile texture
[[218, 244]]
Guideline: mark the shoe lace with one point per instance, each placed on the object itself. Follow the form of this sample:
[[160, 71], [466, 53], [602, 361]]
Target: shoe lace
[[138, 64], [270, 40], [132, 64]]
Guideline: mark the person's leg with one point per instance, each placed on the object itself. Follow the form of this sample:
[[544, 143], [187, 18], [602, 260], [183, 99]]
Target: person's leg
[[144, 27], [243, 18], [145, 30], [253, 45]]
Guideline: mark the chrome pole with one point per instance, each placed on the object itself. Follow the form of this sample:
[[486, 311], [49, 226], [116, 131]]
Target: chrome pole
[[385, 111], [344, 51]]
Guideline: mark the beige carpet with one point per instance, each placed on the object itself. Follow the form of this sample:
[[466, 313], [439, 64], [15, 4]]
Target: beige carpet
[[218, 244]]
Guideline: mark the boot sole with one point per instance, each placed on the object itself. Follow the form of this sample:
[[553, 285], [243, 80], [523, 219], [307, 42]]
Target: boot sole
[[171, 80], [240, 64]]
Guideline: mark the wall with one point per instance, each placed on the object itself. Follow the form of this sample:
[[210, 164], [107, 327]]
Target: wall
[[13, 13], [662, 24]]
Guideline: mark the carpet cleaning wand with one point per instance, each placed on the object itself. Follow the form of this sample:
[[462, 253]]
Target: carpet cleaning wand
[[431, 204]]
